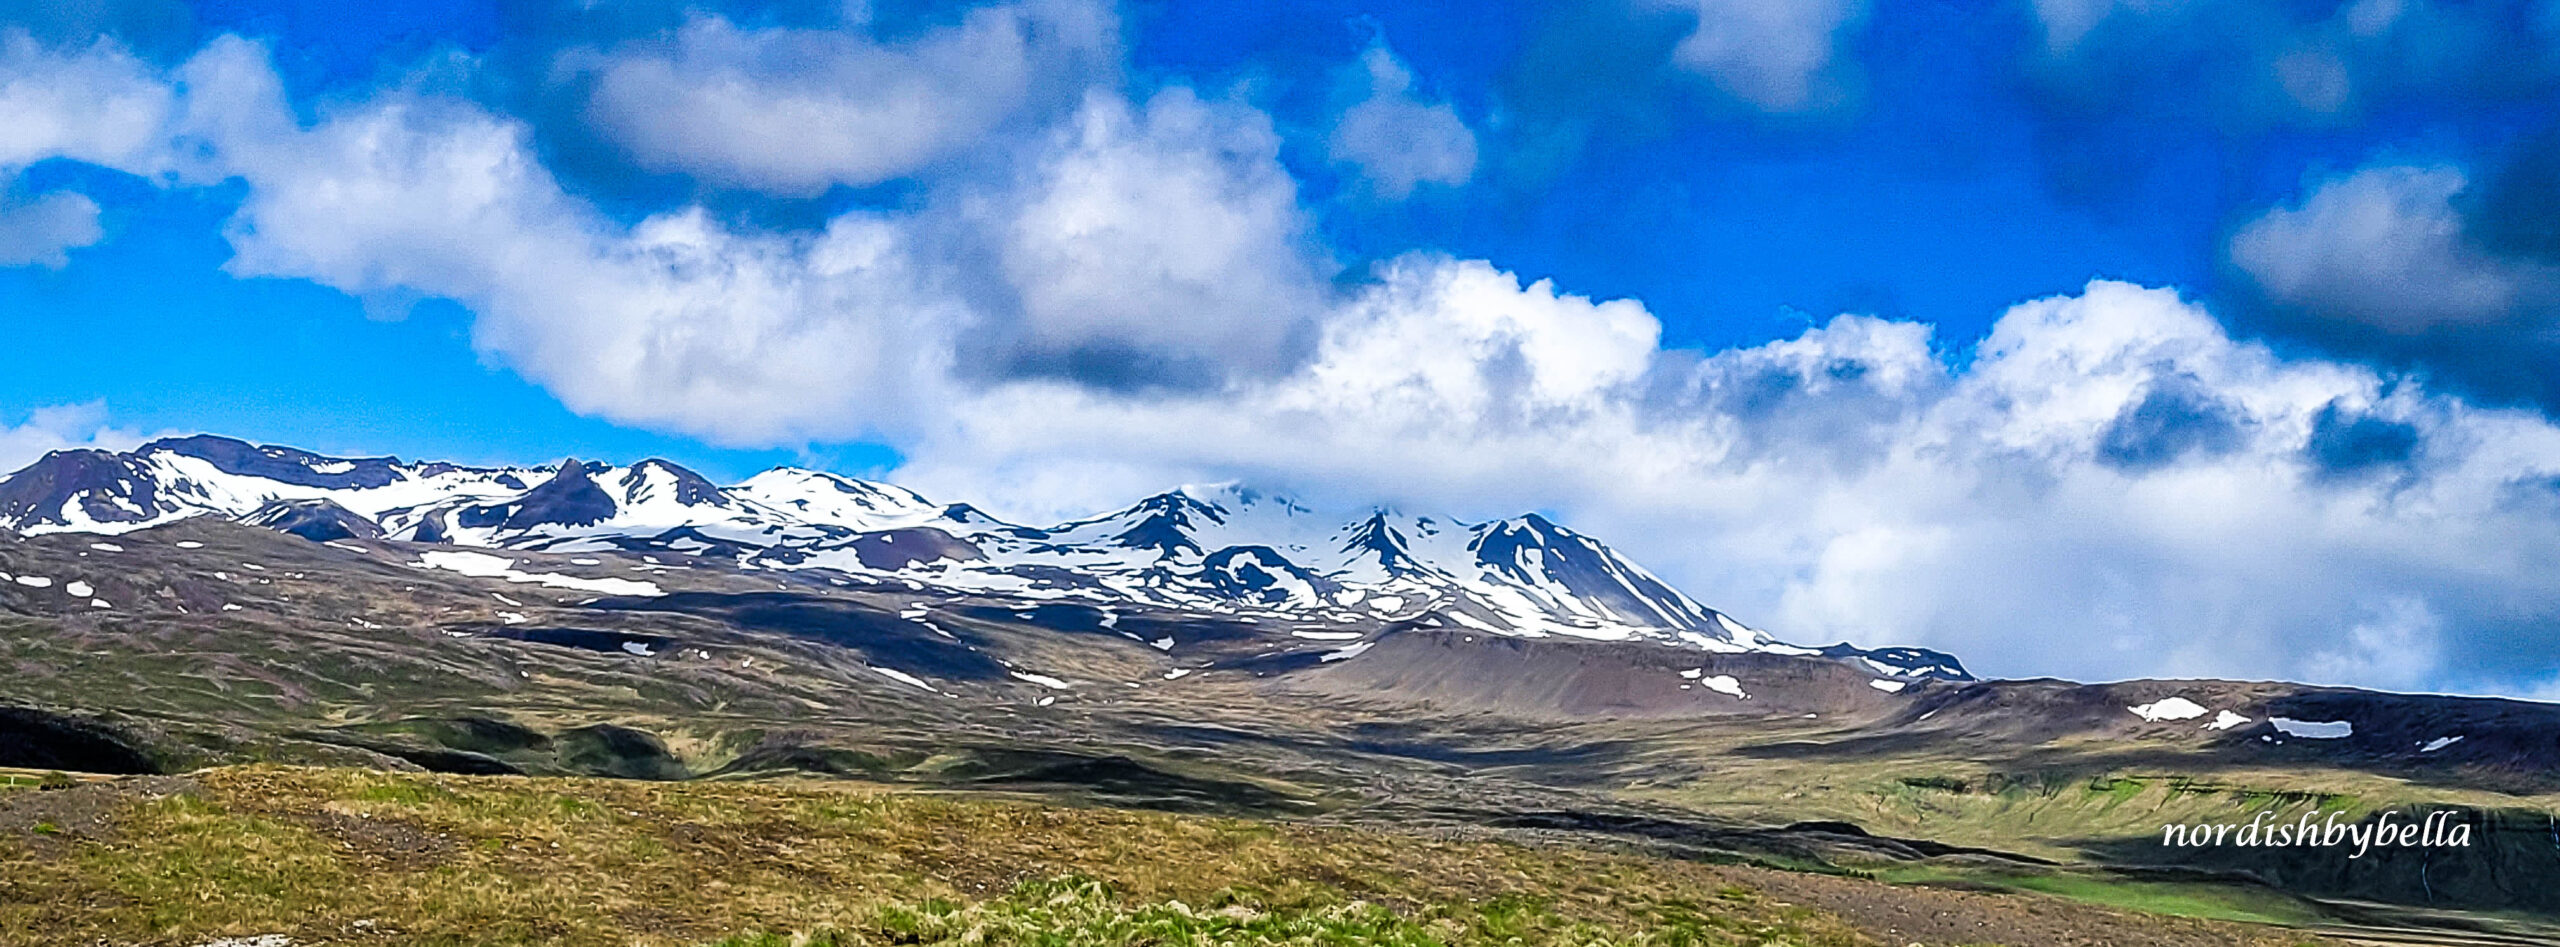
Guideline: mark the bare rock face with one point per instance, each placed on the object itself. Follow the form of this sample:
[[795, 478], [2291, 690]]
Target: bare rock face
[[319, 521], [899, 548], [72, 487], [570, 498]]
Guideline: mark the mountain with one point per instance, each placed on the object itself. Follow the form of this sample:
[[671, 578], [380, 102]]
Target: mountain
[[1222, 550], [203, 601]]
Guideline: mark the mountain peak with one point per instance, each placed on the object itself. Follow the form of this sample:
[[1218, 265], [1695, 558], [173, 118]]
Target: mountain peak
[[834, 499], [80, 487], [1214, 548], [687, 488], [570, 498], [280, 464]]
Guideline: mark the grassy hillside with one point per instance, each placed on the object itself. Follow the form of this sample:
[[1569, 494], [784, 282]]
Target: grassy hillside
[[359, 856]]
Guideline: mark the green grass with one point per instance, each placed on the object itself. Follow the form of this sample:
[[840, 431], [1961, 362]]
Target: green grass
[[29, 779], [317, 854], [2176, 899], [1084, 912]]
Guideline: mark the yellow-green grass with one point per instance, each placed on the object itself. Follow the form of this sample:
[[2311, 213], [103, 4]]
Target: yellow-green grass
[[323, 855], [2049, 813], [2220, 902]]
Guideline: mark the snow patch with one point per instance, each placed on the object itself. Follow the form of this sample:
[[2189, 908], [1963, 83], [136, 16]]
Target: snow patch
[[1347, 653], [1043, 680], [902, 677], [2314, 729], [1889, 687], [484, 566], [2170, 708], [2225, 721], [106, 547], [2440, 743], [1724, 684], [78, 589]]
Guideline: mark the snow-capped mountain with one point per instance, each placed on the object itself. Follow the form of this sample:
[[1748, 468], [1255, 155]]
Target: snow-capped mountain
[[1224, 550]]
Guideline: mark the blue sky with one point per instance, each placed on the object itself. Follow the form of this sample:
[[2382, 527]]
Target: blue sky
[[1818, 336], [1933, 195], [1929, 199]]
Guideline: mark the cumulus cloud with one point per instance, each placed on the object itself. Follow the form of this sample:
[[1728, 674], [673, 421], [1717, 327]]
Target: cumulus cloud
[[1142, 243], [96, 104], [675, 321], [61, 427], [1774, 54], [2105, 485], [1155, 243], [2384, 246], [795, 111], [2112, 486], [2405, 263], [1392, 139]]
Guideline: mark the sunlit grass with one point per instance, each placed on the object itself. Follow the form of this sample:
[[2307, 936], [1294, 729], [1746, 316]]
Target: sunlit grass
[[319, 854]]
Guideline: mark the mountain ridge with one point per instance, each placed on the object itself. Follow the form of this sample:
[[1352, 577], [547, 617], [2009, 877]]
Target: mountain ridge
[[1225, 550]]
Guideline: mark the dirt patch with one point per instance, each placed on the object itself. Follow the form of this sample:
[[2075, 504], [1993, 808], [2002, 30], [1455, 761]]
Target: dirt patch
[[1896, 914], [50, 821], [378, 843]]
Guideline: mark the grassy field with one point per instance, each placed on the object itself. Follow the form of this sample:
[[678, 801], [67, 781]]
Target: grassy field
[[322, 855], [2082, 793], [330, 856]]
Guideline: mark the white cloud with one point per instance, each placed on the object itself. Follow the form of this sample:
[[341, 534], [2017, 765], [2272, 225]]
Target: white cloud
[[1392, 139], [2385, 246], [794, 111], [43, 231], [98, 105], [1165, 233], [674, 322], [1169, 233], [1850, 483], [61, 427], [1774, 54]]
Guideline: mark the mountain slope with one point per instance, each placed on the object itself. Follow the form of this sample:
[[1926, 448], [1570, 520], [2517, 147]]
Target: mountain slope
[[1220, 550]]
